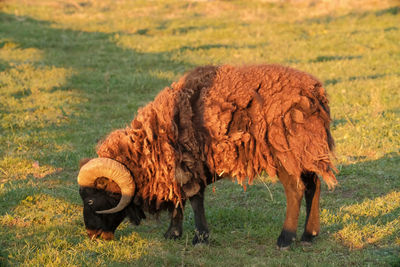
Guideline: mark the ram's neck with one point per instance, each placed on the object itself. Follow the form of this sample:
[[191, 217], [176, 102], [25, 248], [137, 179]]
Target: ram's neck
[[146, 148]]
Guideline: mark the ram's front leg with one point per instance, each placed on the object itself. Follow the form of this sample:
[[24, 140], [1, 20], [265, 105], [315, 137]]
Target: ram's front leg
[[175, 228], [201, 235]]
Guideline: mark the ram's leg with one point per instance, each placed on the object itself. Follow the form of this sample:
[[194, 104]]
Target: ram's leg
[[312, 193], [197, 202], [175, 228], [294, 190]]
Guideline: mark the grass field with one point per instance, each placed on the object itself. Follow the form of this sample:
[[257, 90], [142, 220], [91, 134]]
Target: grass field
[[73, 70]]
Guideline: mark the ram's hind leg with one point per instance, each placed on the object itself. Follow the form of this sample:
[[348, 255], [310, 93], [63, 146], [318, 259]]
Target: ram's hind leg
[[175, 228], [294, 190], [312, 193], [197, 202]]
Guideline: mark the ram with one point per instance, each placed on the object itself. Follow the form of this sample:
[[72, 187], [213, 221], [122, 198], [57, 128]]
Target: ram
[[215, 122]]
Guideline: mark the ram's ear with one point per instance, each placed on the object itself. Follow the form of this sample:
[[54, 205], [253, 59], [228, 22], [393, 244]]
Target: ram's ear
[[83, 162], [108, 185]]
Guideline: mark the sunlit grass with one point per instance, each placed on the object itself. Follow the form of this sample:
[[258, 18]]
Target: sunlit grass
[[361, 225], [19, 168], [54, 225], [376, 207], [41, 210], [29, 98], [11, 52], [71, 71], [358, 236]]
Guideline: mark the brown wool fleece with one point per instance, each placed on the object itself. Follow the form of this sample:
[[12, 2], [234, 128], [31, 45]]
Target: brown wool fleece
[[230, 122]]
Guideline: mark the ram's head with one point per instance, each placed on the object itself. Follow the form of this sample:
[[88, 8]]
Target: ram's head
[[107, 189]]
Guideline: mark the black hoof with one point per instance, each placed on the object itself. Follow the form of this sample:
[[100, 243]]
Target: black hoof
[[173, 233], [307, 238], [200, 238], [285, 240]]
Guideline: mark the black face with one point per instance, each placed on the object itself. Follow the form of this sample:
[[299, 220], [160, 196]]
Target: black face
[[104, 225]]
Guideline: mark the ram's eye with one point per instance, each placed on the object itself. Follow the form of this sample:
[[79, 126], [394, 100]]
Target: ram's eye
[[90, 202]]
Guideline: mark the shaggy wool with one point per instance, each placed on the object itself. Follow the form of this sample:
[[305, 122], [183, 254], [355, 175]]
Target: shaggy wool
[[226, 121]]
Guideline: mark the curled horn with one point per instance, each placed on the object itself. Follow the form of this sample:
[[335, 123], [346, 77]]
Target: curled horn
[[105, 167]]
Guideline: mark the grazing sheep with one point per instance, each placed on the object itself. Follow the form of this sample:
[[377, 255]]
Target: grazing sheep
[[215, 122]]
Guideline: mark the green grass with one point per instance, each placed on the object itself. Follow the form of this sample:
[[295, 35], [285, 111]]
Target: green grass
[[71, 71]]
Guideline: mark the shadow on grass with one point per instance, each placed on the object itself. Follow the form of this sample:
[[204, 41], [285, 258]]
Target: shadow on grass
[[329, 18], [110, 82], [369, 210], [356, 78], [333, 58], [114, 82], [213, 46]]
